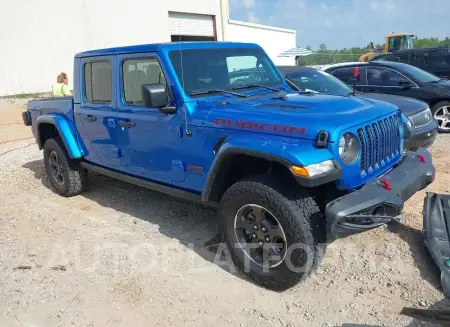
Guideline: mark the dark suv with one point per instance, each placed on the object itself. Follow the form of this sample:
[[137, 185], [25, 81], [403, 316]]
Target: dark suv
[[432, 60]]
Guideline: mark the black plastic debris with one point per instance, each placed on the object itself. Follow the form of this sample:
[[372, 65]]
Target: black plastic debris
[[436, 225]]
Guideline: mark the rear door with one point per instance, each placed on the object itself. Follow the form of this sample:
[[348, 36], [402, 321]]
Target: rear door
[[95, 115], [149, 141]]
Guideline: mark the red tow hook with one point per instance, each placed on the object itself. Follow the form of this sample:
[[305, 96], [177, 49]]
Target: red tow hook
[[386, 185], [421, 157]]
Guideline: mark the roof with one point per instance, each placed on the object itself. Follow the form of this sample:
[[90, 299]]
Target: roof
[[438, 48], [294, 52], [393, 64], [342, 64], [164, 46]]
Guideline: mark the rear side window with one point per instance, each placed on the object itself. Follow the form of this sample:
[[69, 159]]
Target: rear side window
[[346, 75], [137, 72], [98, 81]]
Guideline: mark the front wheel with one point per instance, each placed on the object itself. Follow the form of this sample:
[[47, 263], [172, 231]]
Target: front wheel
[[271, 231], [441, 113]]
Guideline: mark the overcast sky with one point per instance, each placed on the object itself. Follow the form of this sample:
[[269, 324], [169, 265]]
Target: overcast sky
[[347, 23]]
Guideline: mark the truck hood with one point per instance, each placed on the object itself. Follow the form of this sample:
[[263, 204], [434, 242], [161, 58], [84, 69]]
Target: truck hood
[[294, 115], [407, 106]]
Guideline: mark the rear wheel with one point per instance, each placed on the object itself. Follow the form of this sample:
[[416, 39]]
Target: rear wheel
[[271, 231], [66, 176], [441, 113]]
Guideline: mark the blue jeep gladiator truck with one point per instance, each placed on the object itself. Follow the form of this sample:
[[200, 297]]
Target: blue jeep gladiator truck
[[285, 169]]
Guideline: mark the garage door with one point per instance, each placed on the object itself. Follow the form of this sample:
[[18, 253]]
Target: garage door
[[191, 24]]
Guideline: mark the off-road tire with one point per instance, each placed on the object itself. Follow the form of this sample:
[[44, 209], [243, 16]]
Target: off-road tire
[[75, 178], [435, 108], [297, 213]]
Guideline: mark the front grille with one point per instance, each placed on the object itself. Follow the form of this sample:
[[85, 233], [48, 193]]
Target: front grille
[[421, 119], [380, 143]]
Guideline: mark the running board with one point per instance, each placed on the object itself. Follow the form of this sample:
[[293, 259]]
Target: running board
[[175, 192]]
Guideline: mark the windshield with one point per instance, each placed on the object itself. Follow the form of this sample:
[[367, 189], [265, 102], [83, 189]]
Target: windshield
[[319, 81], [223, 68], [419, 74], [409, 42]]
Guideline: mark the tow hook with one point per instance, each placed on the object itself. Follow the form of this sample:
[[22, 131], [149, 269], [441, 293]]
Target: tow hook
[[385, 184], [421, 157]]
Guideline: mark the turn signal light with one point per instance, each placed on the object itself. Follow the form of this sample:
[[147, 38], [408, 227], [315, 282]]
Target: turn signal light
[[300, 171]]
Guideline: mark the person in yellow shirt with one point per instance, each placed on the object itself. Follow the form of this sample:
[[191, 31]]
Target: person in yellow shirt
[[61, 88]]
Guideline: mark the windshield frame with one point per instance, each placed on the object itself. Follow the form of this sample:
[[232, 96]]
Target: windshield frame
[[280, 84], [333, 80]]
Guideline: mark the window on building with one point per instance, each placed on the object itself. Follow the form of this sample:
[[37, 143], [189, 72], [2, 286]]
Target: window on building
[[384, 77], [137, 72], [98, 81]]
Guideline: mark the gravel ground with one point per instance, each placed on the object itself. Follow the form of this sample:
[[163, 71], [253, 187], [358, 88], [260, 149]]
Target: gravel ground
[[120, 255]]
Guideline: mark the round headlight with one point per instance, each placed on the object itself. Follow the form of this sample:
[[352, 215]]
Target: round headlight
[[348, 148]]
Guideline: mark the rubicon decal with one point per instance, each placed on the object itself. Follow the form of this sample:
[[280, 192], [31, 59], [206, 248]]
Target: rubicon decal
[[265, 127]]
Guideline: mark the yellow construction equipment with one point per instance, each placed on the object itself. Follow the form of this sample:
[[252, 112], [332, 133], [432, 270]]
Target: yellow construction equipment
[[394, 42]]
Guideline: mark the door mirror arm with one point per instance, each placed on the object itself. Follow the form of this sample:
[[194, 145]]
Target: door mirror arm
[[169, 110], [405, 84]]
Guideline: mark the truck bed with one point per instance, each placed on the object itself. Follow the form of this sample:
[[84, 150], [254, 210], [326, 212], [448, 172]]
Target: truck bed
[[60, 106]]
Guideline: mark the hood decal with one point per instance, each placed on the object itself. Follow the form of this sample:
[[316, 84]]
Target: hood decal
[[265, 127]]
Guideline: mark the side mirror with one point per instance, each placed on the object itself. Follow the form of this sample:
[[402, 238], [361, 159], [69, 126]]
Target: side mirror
[[405, 84], [155, 96]]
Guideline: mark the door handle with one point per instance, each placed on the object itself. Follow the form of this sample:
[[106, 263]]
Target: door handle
[[125, 123], [90, 118]]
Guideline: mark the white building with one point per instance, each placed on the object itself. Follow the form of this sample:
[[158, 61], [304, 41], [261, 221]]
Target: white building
[[40, 38]]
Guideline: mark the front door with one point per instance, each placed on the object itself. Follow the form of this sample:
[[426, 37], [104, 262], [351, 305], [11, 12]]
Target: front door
[[150, 142], [389, 81], [95, 115]]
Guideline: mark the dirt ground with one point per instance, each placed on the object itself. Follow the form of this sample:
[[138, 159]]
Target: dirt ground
[[120, 255]]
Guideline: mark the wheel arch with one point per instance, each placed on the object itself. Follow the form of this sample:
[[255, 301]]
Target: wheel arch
[[49, 126], [435, 101], [224, 172]]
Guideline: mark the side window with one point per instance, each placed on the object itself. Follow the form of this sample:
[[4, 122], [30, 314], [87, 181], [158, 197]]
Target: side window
[[383, 77], [404, 57], [437, 59], [346, 75], [135, 73], [98, 81]]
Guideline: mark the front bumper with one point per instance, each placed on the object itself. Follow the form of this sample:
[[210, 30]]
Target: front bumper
[[424, 137], [375, 204]]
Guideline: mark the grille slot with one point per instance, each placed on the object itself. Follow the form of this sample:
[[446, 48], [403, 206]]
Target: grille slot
[[362, 139], [370, 148], [380, 143]]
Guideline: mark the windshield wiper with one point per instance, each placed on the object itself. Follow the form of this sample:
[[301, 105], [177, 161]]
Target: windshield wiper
[[213, 91], [249, 86]]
